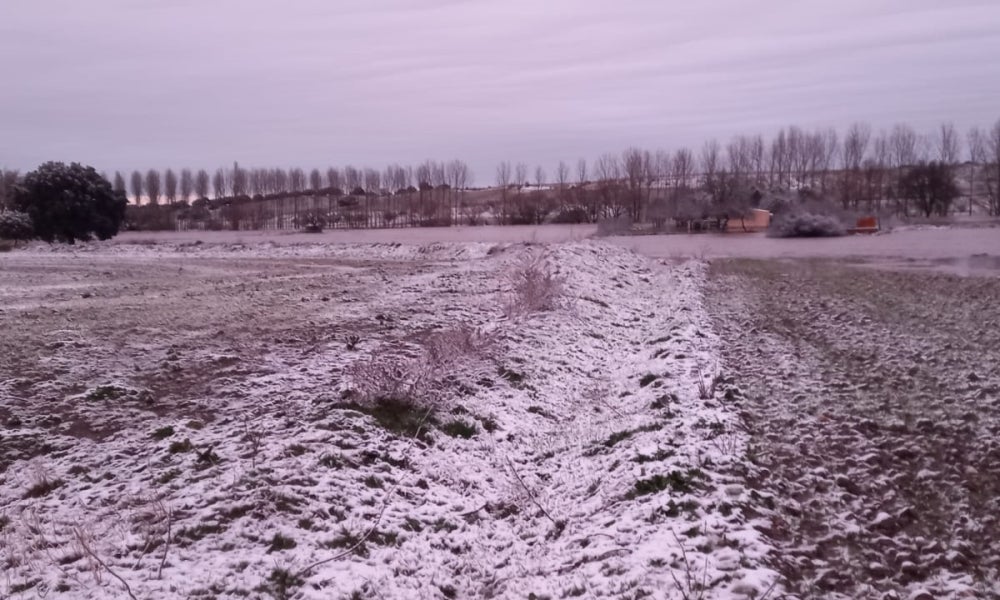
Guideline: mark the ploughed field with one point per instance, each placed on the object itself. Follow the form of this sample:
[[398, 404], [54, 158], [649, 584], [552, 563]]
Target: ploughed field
[[873, 407], [229, 420]]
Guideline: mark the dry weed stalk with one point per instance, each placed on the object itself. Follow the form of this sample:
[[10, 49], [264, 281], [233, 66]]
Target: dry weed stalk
[[530, 494], [691, 588], [533, 287], [707, 392], [84, 543]]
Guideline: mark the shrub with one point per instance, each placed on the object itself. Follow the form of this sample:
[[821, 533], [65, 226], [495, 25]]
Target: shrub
[[806, 224], [70, 202], [534, 287], [312, 221], [806, 217], [571, 215], [614, 226], [402, 393], [15, 226]]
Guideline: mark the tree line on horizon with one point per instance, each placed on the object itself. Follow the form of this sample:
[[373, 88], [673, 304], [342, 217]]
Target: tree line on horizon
[[897, 170]]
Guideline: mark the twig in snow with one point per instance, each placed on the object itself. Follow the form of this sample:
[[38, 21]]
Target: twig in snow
[[85, 546], [166, 545], [469, 513], [531, 496]]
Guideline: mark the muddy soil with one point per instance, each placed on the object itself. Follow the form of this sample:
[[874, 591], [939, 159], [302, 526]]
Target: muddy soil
[[872, 398]]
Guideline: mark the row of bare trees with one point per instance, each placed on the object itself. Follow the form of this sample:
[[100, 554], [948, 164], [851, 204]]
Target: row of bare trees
[[862, 169], [170, 187]]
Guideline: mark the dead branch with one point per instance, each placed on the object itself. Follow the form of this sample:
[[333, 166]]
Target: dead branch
[[531, 496]]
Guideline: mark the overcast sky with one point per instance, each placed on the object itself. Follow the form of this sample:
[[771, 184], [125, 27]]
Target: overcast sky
[[134, 84]]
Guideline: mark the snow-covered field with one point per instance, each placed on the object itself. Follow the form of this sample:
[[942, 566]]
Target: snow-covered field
[[187, 420]]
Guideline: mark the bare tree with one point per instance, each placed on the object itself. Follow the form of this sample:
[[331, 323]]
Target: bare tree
[[119, 183], [153, 186], [562, 180], [352, 179], [903, 149], [632, 166], [608, 172], [521, 175], [458, 178], [581, 172], [315, 180], [219, 184], [503, 182], [136, 186], [947, 144], [977, 156], [831, 145], [333, 178], [258, 182], [854, 150], [778, 159], [710, 152], [186, 185], [683, 168], [201, 183], [991, 169], [539, 176], [239, 181], [170, 186], [296, 180], [372, 181]]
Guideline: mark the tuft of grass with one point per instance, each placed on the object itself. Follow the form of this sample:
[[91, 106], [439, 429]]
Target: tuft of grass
[[460, 429], [512, 377], [106, 392], [399, 416], [675, 480], [281, 584], [660, 455], [43, 488], [596, 301], [489, 424], [344, 540], [296, 450], [163, 433], [620, 436], [280, 542], [168, 476], [180, 447]]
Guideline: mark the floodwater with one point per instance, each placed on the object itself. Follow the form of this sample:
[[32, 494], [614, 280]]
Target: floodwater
[[961, 250]]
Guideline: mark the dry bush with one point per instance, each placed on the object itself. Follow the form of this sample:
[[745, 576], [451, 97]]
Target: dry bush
[[423, 380], [534, 287], [384, 377], [461, 344]]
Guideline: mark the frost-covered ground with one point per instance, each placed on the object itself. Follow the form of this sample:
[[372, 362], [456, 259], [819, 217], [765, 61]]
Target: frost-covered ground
[[181, 420], [874, 405]]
